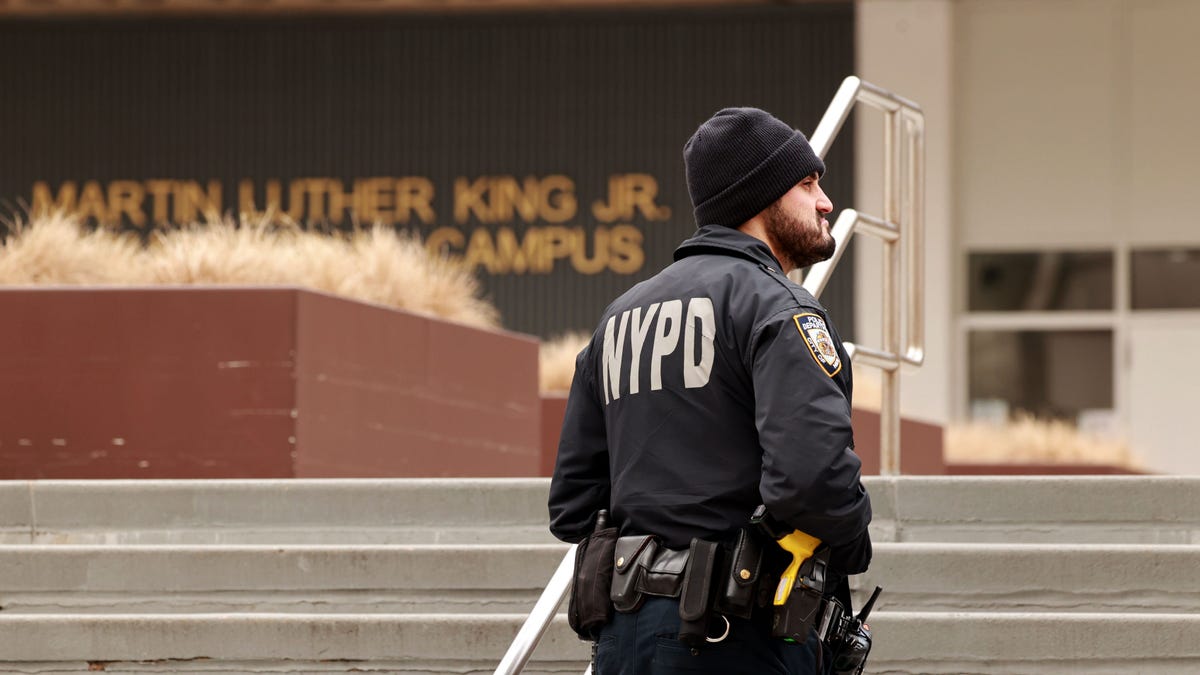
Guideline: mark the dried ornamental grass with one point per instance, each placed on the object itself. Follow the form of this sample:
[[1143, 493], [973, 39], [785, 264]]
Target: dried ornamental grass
[[396, 270], [224, 254], [1030, 440], [377, 265], [556, 361], [55, 250], [1023, 440]]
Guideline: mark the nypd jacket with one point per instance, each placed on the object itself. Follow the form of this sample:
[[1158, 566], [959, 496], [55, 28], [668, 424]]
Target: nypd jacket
[[714, 386]]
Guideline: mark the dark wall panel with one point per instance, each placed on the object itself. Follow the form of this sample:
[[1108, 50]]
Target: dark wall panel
[[584, 96]]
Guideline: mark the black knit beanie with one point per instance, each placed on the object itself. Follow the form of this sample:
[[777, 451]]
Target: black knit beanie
[[740, 161]]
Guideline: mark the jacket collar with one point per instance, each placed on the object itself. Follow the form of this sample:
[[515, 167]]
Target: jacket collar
[[721, 240]]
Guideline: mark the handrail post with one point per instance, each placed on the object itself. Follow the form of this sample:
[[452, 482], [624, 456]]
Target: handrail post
[[889, 413], [902, 229], [914, 348]]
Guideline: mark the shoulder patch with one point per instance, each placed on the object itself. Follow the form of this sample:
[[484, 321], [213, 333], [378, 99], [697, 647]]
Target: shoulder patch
[[816, 335]]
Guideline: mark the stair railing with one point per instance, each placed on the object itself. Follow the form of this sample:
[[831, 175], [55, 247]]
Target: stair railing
[[539, 619], [902, 227], [903, 221]]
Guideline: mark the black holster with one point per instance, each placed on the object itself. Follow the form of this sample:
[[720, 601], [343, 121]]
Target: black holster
[[802, 611], [590, 608], [626, 593], [738, 590], [695, 596]]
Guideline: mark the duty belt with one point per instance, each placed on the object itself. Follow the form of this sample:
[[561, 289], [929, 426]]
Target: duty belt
[[713, 580], [642, 566]]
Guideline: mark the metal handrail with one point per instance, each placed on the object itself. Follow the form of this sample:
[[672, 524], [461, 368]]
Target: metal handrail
[[539, 619], [901, 227], [898, 225]]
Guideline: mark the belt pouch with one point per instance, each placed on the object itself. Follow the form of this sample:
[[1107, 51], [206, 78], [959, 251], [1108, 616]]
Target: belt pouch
[[664, 572], [739, 594], [628, 567], [695, 595], [797, 617], [589, 608]]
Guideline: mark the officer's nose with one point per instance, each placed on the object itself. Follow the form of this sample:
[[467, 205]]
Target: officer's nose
[[824, 205]]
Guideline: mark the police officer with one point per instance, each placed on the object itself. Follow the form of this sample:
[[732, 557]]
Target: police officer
[[713, 387]]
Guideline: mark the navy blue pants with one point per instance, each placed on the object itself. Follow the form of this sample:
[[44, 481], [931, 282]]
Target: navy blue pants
[[646, 642]]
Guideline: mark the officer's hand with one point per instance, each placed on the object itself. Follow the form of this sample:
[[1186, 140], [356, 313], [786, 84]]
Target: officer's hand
[[852, 557]]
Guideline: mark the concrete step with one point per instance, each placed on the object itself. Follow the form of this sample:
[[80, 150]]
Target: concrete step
[[1007, 509], [349, 568], [904, 643], [1038, 509], [289, 643], [324, 579], [1120, 579], [369, 511], [509, 578]]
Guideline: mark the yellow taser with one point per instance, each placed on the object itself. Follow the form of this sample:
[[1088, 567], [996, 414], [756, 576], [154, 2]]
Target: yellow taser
[[801, 546]]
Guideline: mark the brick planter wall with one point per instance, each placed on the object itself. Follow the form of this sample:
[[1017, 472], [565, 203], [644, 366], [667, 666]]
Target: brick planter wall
[[256, 382]]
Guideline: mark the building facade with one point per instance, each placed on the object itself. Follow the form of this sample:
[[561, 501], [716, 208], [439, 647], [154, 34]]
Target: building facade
[[540, 141], [1063, 255]]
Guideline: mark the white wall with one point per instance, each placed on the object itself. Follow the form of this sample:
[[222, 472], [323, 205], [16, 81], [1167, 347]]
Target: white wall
[[906, 46], [1077, 121], [1163, 102], [1075, 127], [1164, 392], [1037, 123]]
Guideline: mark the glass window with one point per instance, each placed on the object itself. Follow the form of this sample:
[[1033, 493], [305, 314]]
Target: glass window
[[1166, 279], [1040, 281], [1059, 374]]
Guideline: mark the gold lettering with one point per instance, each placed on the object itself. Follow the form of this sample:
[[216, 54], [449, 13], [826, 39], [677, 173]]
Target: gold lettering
[[558, 199], [314, 192], [91, 203], [557, 242], [444, 241], [415, 195], [615, 208], [626, 247], [481, 251], [628, 193], [246, 206], [468, 199], [45, 204], [191, 199], [296, 191], [327, 201], [125, 198], [330, 191], [369, 194], [274, 199], [340, 202], [384, 198], [514, 256], [160, 195], [509, 197], [502, 199], [535, 251], [599, 260], [642, 189]]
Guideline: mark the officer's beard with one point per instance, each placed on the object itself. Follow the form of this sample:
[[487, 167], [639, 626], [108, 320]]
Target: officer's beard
[[802, 242]]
